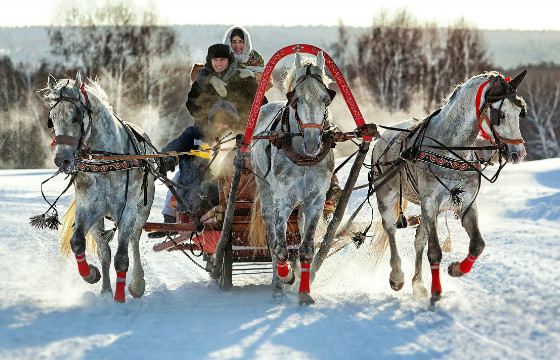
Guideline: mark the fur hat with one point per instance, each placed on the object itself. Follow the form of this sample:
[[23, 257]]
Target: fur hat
[[219, 51]]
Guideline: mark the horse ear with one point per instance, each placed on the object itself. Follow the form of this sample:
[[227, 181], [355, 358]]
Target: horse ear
[[497, 89], [320, 60], [299, 60], [51, 82], [78, 81], [332, 93], [518, 79]]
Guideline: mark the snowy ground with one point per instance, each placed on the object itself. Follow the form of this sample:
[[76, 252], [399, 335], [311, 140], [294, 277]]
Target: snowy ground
[[507, 307]]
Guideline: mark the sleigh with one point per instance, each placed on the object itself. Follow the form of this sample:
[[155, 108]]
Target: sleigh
[[227, 238], [247, 249]]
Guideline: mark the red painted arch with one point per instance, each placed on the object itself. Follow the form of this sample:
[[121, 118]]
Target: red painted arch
[[280, 54]]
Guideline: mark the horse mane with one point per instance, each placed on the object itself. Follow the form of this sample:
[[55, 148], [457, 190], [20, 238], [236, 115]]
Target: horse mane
[[485, 76], [93, 89], [289, 77]]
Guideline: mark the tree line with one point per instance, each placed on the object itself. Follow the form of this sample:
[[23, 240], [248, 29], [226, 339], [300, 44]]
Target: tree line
[[401, 61]]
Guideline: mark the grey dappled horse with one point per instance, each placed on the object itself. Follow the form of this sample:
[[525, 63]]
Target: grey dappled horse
[[436, 189], [288, 186], [82, 119]]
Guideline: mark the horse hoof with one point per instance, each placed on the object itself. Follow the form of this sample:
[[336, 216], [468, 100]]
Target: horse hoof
[[436, 296], [138, 289], [305, 299], [454, 270], [94, 275], [395, 285], [419, 291], [107, 292]]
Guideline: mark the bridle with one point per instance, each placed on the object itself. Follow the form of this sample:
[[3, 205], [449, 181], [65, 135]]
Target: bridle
[[77, 141], [492, 116], [292, 101]]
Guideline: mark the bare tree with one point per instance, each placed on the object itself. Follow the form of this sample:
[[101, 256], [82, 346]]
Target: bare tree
[[466, 52], [399, 57], [542, 128], [342, 53], [116, 42], [388, 61]]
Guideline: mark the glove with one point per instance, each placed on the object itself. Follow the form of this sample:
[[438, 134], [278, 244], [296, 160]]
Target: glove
[[219, 85], [168, 164], [245, 73]]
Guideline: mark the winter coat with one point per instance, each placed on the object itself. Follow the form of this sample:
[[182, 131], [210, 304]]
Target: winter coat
[[255, 60], [192, 171], [240, 92]]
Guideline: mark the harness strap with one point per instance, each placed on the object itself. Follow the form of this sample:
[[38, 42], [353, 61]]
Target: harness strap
[[67, 140], [483, 109]]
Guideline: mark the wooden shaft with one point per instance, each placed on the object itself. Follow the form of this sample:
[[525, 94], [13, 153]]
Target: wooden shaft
[[340, 208], [225, 236]]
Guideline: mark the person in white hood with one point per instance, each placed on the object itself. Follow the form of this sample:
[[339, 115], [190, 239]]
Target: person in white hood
[[239, 39]]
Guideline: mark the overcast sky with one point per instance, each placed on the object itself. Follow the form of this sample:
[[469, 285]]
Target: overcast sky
[[486, 14]]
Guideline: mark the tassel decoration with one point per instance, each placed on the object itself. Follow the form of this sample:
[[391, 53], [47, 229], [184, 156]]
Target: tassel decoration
[[45, 221], [358, 238], [107, 235], [401, 222], [455, 194]]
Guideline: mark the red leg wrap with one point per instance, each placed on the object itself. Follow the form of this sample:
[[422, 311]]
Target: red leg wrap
[[283, 269], [121, 282], [466, 265], [304, 282], [83, 266], [436, 285]]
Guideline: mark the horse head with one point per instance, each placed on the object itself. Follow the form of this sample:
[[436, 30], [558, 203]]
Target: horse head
[[309, 97], [68, 118], [499, 115]]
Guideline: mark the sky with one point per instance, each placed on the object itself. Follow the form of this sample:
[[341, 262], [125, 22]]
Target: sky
[[485, 14]]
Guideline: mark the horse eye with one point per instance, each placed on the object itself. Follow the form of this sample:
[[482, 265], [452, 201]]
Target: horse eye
[[523, 113]]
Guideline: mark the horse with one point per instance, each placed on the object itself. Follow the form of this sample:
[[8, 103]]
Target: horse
[[440, 169], [297, 173], [83, 123]]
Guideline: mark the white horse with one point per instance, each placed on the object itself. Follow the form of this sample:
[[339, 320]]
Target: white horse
[[486, 104], [284, 185], [122, 190]]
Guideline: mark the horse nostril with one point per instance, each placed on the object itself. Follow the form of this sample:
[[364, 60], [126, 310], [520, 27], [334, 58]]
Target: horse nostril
[[514, 157]]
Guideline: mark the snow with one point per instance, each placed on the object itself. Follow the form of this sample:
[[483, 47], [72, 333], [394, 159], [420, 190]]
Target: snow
[[508, 306]]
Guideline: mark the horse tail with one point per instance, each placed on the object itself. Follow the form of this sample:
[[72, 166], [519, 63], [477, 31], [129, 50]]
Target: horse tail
[[67, 231], [446, 246], [378, 245], [257, 229]]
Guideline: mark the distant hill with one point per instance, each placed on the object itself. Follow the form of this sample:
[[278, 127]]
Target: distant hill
[[506, 48]]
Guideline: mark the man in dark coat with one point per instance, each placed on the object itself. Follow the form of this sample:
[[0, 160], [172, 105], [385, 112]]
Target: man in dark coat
[[221, 79], [222, 88]]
